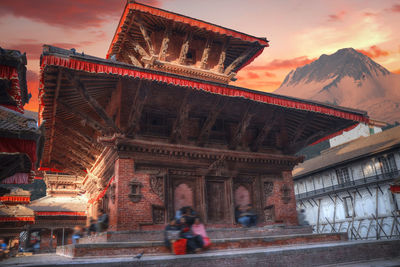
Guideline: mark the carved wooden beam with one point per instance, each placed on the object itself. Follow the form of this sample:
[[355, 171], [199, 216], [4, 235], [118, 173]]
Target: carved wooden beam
[[222, 56], [165, 42], [302, 126], [185, 47], [81, 89], [210, 121], [146, 35], [134, 60], [138, 48], [71, 151], [206, 52], [135, 113], [239, 60], [86, 119], [53, 117], [270, 121], [71, 137], [66, 158], [241, 128], [181, 119], [294, 147], [126, 33]]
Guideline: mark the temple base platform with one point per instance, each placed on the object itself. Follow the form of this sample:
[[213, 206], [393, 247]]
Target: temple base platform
[[125, 243], [344, 253]]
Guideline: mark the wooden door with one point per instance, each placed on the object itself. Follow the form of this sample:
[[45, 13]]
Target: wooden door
[[216, 202]]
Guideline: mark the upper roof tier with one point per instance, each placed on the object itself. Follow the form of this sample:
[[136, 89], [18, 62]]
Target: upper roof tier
[[162, 40]]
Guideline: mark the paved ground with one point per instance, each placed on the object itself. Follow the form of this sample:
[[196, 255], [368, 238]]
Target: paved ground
[[56, 260]]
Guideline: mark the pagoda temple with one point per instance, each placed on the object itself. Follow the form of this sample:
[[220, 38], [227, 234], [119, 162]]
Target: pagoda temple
[[156, 126]]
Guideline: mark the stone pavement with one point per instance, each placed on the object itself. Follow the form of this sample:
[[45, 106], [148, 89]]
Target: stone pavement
[[355, 253]]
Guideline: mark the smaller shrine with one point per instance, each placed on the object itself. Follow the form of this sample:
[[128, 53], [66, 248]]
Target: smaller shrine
[[63, 208], [14, 215]]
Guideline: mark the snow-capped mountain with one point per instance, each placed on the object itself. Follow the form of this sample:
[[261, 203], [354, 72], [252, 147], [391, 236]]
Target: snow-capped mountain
[[347, 78]]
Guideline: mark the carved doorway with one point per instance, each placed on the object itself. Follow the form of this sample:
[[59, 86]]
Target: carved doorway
[[183, 196], [217, 210]]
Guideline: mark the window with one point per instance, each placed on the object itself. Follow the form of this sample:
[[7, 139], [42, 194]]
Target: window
[[342, 175], [135, 194], [348, 206], [387, 163]]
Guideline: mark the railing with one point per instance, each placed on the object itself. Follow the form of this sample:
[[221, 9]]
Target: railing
[[366, 181]]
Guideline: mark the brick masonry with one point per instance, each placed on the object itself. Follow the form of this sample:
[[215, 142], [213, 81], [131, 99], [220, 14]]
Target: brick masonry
[[124, 213]]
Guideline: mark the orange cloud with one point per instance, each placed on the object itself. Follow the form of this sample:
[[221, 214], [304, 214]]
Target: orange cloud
[[337, 16], [252, 75], [374, 52], [369, 14], [269, 74], [33, 88], [395, 8], [67, 14], [282, 64], [396, 71]]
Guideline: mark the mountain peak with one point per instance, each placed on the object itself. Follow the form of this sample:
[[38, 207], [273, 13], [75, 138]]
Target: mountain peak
[[346, 62]]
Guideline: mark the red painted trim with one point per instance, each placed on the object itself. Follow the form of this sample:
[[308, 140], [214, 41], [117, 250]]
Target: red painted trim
[[335, 134], [101, 195], [181, 81], [17, 219], [182, 19], [15, 199], [49, 169], [395, 188], [60, 213], [14, 145]]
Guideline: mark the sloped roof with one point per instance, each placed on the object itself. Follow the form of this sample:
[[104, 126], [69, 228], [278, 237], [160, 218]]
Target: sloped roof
[[15, 211], [16, 125], [351, 151], [58, 204]]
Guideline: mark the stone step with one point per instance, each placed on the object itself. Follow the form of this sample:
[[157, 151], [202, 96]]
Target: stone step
[[107, 249], [213, 233], [338, 253]]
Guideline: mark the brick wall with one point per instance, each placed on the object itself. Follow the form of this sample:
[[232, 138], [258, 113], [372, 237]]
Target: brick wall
[[124, 213], [283, 199]]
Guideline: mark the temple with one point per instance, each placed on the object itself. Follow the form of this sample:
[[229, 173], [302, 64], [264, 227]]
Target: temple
[[156, 126]]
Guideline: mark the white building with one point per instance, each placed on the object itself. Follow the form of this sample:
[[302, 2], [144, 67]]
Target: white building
[[346, 188]]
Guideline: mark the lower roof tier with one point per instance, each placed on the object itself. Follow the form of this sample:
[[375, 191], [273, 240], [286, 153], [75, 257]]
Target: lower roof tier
[[83, 98]]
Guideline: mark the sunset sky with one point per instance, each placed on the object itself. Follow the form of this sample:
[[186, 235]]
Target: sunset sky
[[299, 31]]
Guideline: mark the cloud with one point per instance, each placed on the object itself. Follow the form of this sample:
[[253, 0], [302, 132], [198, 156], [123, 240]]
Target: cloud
[[369, 14], [338, 16], [34, 48], [31, 76], [269, 74], [282, 64], [252, 75], [396, 71], [395, 8], [374, 52], [67, 14]]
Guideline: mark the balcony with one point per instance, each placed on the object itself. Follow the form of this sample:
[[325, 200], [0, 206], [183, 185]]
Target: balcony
[[363, 182]]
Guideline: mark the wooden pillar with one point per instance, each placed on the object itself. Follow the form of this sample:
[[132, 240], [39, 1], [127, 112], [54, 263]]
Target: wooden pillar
[[63, 233], [376, 213], [319, 214], [51, 239], [334, 212]]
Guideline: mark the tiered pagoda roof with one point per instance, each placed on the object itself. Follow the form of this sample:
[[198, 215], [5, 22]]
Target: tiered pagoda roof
[[158, 39], [83, 98]]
